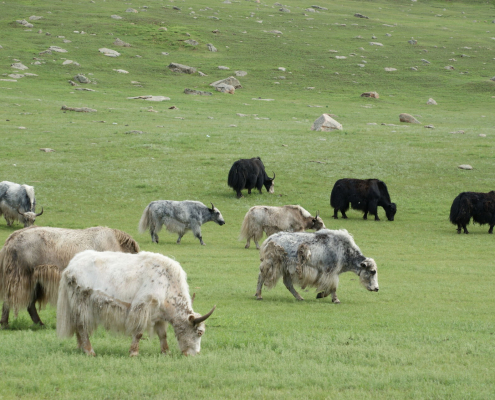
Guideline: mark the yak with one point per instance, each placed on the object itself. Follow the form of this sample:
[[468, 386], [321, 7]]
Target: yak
[[478, 206], [314, 260], [249, 173], [179, 217], [33, 258], [128, 293], [290, 218], [363, 194], [17, 202]]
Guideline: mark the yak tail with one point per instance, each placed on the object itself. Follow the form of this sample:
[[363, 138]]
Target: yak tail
[[273, 260], [65, 319], [145, 221], [45, 281], [455, 209], [250, 229], [2, 274], [127, 243], [236, 179]]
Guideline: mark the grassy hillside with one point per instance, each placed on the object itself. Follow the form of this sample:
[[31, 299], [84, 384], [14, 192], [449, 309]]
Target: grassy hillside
[[428, 333]]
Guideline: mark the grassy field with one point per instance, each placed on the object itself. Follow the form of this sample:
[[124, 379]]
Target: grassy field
[[428, 333]]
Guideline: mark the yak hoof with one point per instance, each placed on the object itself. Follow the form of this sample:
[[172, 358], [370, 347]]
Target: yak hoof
[[259, 297], [246, 246], [336, 301], [133, 354]]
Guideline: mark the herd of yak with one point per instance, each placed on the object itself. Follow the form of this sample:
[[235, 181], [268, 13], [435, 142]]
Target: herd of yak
[[98, 276]]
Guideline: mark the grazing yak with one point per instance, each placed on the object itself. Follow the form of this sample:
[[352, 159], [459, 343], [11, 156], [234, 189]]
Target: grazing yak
[[17, 202], [33, 258], [271, 220], [249, 173], [179, 217], [314, 260], [479, 206], [127, 293], [363, 194]]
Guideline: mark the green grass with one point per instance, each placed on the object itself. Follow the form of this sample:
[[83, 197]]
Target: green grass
[[428, 333]]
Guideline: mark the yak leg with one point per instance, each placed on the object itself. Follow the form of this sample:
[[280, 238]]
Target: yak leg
[[365, 216], [322, 295], [239, 194], [261, 280], [373, 209], [465, 229], [134, 350], [288, 285], [249, 191], [257, 245], [196, 229], [161, 331], [491, 228], [34, 314], [83, 341], [335, 300], [459, 228], [5, 315], [248, 243], [179, 238], [154, 236]]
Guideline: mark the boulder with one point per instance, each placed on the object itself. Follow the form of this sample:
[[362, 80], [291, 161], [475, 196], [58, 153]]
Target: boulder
[[244, 73], [121, 43], [150, 98], [361, 16], [387, 69], [181, 68], [81, 79], [19, 65], [197, 92], [57, 49], [373, 95], [431, 102], [465, 166], [325, 123], [115, 16], [211, 48], [225, 88], [223, 68], [109, 52], [408, 118], [228, 81], [191, 42]]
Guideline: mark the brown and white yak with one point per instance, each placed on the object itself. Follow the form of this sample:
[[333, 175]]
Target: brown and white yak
[[271, 220], [128, 293], [33, 258], [314, 260]]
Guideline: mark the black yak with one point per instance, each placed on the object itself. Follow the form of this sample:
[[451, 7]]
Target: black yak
[[479, 206], [249, 174], [363, 194]]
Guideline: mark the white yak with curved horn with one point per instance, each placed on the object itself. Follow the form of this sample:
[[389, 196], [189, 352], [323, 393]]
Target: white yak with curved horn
[[128, 293]]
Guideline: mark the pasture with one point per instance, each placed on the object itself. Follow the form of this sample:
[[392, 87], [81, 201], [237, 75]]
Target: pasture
[[430, 330]]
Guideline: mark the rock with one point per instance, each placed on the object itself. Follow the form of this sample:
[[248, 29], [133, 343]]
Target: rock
[[211, 48], [109, 52], [197, 92], [482, 135], [151, 98], [78, 109], [8, 80], [134, 132], [67, 62], [459, 132], [320, 8], [34, 18], [376, 44], [115, 16], [86, 89], [373, 95], [425, 61], [275, 32], [283, 9], [24, 23], [81, 79], [390, 69], [325, 123], [181, 68], [121, 71], [361, 16], [492, 79], [121, 43], [191, 42], [282, 69], [340, 57], [131, 10], [431, 102], [19, 65], [162, 28], [16, 76], [413, 69], [240, 73], [465, 166], [449, 67], [228, 81], [412, 41], [408, 118], [47, 150], [223, 68], [225, 88], [57, 49], [429, 126]]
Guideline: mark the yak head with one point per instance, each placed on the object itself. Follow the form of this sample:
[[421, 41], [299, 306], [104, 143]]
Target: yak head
[[269, 185], [190, 332], [216, 215], [29, 217], [368, 275], [318, 222], [390, 211]]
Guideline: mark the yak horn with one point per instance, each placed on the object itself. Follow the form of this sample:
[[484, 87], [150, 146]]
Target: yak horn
[[40, 212], [212, 207], [273, 176], [198, 320], [19, 212]]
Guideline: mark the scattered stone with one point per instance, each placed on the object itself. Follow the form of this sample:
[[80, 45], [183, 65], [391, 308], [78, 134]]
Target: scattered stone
[[121, 43], [373, 95], [197, 92], [408, 118], [431, 102], [47, 150], [361, 65], [371, 123], [413, 69], [361, 16], [121, 71], [191, 42], [376, 44], [134, 132], [240, 73], [310, 10], [16, 76], [459, 132], [165, 53], [390, 69], [211, 48], [326, 123], [81, 79], [8, 80], [34, 18], [276, 32], [223, 68], [283, 9], [24, 23], [115, 16], [57, 49], [109, 52], [429, 126], [162, 28], [181, 68], [340, 57], [492, 79], [228, 81], [482, 135], [225, 88], [21, 127], [320, 8], [259, 98], [449, 67], [131, 10], [465, 166], [281, 69], [412, 41], [67, 62], [19, 65], [86, 89], [78, 109], [150, 98], [171, 108]]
